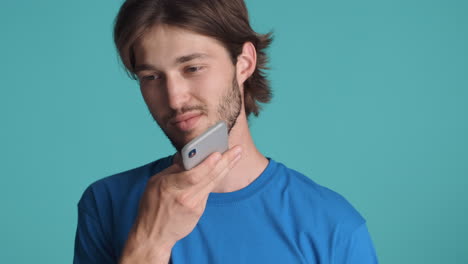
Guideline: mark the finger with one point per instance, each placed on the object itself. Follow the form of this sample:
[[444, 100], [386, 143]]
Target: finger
[[208, 164], [199, 178], [219, 175], [203, 172], [225, 162], [212, 169], [200, 193], [186, 179]]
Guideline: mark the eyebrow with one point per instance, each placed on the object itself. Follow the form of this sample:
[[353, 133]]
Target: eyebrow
[[179, 60]]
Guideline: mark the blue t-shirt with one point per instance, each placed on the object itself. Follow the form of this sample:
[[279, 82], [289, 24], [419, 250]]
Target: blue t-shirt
[[281, 217]]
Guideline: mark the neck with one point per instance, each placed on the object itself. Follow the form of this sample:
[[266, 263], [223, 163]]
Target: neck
[[251, 164]]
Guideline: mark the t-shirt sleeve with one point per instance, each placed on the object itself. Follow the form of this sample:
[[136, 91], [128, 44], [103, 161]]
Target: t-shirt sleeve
[[356, 248], [91, 243]]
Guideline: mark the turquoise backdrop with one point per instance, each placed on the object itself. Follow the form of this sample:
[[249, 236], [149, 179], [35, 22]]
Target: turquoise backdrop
[[371, 100]]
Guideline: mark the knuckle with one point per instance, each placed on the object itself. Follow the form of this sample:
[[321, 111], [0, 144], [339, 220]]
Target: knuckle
[[181, 200], [193, 179], [164, 184], [224, 161], [189, 206], [164, 192], [152, 186], [185, 201], [214, 159]]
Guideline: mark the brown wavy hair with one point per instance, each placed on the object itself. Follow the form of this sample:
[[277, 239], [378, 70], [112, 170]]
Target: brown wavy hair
[[225, 20]]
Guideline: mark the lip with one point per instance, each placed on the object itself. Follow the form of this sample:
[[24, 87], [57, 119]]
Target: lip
[[186, 121], [184, 117]]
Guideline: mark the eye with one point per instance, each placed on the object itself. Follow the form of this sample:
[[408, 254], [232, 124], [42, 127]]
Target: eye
[[149, 77], [194, 69]]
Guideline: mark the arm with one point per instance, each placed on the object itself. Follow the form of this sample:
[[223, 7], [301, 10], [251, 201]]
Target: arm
[[169, 209], [91, 244], [136, 251], [355, 248], [171, 206]]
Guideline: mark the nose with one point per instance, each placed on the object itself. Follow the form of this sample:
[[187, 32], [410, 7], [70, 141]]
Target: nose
[[177, 91]]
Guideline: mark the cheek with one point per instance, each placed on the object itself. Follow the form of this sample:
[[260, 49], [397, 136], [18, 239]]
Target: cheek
[[209, 95], [150, 96], [213, 87]]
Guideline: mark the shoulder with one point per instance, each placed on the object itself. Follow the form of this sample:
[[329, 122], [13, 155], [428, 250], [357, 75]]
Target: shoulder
[[114, 188], [321, 204]]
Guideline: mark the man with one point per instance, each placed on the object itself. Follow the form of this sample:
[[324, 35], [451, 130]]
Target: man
[[199, 62]]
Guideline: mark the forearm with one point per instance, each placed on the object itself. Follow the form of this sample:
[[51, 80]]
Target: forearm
[[139, 252]]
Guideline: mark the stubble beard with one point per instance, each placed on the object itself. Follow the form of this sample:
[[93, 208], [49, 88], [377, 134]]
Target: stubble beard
[[228, 110]]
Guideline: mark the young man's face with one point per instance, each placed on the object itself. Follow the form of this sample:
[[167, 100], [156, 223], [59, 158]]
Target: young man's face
[[188, 82]]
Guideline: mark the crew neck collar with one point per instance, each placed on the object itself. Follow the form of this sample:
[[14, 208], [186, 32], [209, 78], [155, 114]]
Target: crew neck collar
[[248, 191], [255, 187]]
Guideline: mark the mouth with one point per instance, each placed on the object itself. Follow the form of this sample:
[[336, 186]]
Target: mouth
[[186, 122]]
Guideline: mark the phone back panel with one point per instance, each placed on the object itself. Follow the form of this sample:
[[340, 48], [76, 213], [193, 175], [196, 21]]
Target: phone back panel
[[215, 139]]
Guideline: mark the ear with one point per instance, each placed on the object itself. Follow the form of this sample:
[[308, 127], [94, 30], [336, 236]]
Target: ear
[[246, 63]]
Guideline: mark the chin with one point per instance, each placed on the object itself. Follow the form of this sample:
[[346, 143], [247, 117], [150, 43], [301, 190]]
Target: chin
[[180, 138], [196, 131]]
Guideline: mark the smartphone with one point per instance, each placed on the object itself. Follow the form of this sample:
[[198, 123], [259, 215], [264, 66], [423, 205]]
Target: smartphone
[[214, 139]]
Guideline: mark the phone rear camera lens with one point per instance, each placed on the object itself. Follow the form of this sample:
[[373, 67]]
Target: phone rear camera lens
[[192, 153]]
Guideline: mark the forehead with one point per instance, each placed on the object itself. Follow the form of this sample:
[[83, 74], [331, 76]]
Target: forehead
[[162, 44]]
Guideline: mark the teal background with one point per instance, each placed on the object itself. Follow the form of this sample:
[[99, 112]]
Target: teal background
[[370, 101]]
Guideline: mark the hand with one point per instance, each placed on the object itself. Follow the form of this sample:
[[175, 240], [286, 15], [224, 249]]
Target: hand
[[172, 204]]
